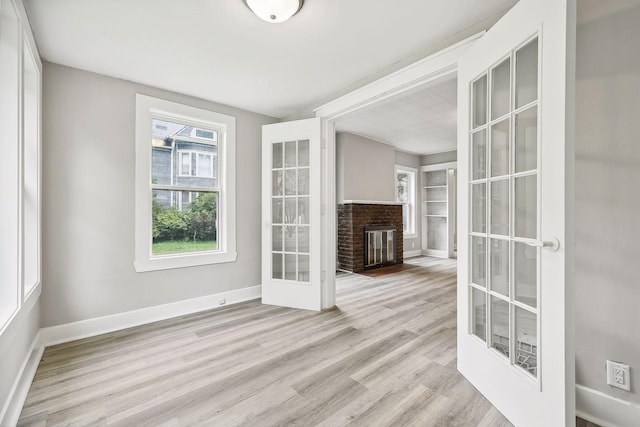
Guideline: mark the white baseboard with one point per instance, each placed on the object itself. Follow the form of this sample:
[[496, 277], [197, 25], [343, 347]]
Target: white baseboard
[[13, 406], [605, 410], [409, 254], [115, 322]]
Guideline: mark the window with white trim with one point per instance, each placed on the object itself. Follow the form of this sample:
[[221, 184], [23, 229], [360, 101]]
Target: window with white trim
[[406, 194], [185, 186]]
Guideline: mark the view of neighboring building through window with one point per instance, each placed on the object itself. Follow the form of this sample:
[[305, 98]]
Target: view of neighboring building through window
[[406, 194], [185, 186], [184, 175]]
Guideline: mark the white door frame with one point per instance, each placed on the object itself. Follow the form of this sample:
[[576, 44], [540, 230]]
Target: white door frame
[[440, 65]]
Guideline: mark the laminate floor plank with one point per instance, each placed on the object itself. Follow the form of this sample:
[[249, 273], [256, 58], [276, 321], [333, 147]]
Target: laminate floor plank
[[384, 356]]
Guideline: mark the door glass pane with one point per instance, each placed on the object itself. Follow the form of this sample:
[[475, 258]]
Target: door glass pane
[[480, 101], [277, 265], [500, 207], [479, 313], [527, 73], [499, 266], [290, 211], [500, 93], [525, 275], [303, 181], [290, 154], [479, 260], [303, 210], [290, 238], [500, 325], [500, 148], [276, 214], [290, 265], [303, 268], [526, 340], [526, 140], [526, 215], [479, 154], [276, 241], [479, 208], [303, 239], [277, 155], [290, 177], [303, 153], [277, 183]]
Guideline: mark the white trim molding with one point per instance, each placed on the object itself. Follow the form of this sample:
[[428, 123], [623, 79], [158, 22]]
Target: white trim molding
[[115, 322], [411, 254], [18, 395], [604, 410]]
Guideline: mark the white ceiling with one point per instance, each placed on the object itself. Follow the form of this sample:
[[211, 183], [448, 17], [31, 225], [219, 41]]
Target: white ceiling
[[421, 121], [219, 51]]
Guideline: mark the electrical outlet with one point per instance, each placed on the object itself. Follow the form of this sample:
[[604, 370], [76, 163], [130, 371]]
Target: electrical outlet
[[618, 375]]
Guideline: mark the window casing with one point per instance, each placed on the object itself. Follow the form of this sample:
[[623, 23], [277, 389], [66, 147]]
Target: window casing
[[20, 164], [185, 186], [406, 194]]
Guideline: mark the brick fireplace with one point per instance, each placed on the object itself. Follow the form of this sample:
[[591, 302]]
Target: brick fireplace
[[353, 218]]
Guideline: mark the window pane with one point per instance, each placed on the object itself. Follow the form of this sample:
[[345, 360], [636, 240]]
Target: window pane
[[276, 270], [303, 239], [500, 148], [479, 313], [303, 268], [290, 154], [479, 208], [527, 73], [525, 275], [500, 207], [526, 207], [290, 265], [180, 227], [499, 266], [277, 155], [205, 169], [290, 238], [290, 177], [526, 340], [290, 215], [500, 89], [500, 325], [276, 214], [277, 238], [479, 154], [303, 153], [479, 260], [480, 101], [303, 181], [526, 140], [303, 210]]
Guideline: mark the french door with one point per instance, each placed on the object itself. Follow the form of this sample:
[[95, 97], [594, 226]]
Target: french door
[[514, 342], [291, 186]]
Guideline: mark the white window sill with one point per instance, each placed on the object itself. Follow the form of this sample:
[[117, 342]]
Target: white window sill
[[183, 260]]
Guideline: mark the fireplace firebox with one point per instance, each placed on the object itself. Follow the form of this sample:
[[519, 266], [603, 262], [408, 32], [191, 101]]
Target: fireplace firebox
[[379, 246]]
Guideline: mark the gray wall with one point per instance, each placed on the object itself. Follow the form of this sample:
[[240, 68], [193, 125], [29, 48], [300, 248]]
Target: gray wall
[[88, 202], [413, 161], [607, 197], [364, 169], [434, 159]]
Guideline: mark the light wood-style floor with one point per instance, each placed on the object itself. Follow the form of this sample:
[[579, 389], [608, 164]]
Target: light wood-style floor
[[386, 356]]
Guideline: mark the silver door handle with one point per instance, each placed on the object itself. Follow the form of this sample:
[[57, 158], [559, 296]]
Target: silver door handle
[[553, 244]]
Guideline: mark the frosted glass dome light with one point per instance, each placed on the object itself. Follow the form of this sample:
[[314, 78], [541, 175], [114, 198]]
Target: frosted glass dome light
[[274, 11]]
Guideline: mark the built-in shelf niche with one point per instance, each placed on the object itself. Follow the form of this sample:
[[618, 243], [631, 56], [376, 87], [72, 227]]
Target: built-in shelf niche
[[438, 210]]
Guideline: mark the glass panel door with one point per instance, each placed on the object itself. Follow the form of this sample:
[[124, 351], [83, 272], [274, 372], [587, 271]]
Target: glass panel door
[[504, 263], [290, 211]]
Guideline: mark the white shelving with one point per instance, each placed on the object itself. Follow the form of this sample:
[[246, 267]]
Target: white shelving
[[438, 210]]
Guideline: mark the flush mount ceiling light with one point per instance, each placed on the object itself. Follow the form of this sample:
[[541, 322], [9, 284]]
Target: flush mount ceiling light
[[274, 11]]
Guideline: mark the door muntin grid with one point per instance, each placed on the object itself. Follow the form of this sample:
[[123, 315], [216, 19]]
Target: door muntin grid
[[504, 196], [290, 211]]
